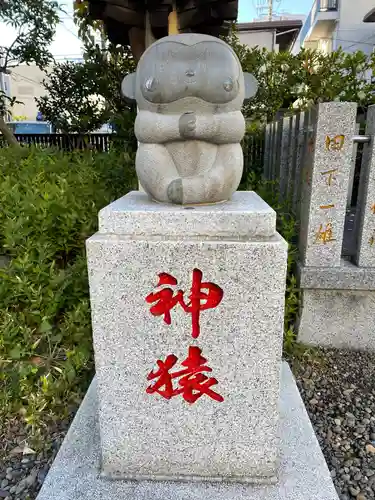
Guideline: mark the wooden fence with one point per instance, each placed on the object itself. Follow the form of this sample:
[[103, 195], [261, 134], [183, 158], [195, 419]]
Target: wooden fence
[[253, 149], [98, 142], [253, 145]]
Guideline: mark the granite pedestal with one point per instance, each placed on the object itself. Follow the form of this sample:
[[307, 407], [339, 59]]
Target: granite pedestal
[[303, 473], [146, 256], [248, 436]]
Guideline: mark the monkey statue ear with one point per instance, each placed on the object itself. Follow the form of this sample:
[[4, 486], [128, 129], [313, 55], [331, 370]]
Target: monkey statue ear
[[128, 87], [251, 85]]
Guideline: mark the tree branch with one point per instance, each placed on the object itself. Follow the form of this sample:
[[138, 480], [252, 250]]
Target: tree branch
[[8, 51], [8, 134]]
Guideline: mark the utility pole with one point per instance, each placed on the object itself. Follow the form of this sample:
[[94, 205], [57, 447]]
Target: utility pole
[[270, 10], [2, 76]]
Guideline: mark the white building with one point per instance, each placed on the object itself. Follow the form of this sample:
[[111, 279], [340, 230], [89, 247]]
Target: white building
[[277, 35], [25, 85], [332, 24]]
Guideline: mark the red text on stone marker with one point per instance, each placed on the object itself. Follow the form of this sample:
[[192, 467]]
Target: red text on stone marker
[[166, 299], [192, 384]]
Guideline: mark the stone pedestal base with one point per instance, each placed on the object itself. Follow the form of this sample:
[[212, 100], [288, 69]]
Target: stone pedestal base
[[303, 473], [187, 310], [338, 307]]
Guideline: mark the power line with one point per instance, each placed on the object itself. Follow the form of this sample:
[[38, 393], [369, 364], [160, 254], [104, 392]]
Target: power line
[[26, 78], [70, 31], [361, 42], [354, 42]]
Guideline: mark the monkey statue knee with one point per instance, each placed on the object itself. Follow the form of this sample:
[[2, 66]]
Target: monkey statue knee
[[189, 89]]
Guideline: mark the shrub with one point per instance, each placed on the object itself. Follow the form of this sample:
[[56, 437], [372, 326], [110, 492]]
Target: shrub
[[49, 205]]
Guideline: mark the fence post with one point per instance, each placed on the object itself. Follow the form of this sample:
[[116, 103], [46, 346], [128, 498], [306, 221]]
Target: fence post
[[301, 144], [326, 182], [273, 151], [279, 132], [267, 150], [284, 158], [365, 256], [292, 156], [352, 170]]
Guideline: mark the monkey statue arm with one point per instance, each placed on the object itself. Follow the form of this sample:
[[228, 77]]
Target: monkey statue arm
[[219, 128], [156, 128]]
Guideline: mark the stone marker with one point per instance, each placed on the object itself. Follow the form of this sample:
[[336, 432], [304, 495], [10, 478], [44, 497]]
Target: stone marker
[[303, 473], [192, 291], [276, 166], [189, 89], [274, 152], [325, 183]]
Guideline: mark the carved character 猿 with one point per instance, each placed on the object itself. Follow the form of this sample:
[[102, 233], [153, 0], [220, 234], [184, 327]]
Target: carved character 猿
[[189, 89], [193, 382]]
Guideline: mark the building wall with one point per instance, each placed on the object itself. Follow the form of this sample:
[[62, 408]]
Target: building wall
[[351, 30], [25, 85], [262, 39], [5, 87]]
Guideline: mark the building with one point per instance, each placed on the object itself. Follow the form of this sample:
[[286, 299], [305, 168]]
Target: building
[[370, 16], [332, 24], [275, 35], [25, 85]]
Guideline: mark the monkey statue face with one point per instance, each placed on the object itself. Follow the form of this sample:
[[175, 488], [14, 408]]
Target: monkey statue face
[[193, 67]]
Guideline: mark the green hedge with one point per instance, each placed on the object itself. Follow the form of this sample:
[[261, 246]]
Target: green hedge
[[49, 204]]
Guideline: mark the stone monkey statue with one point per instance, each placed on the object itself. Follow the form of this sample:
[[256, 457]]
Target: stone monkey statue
[[189, 89]]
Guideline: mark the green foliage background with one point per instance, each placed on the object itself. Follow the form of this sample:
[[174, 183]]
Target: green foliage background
[[50, 202]]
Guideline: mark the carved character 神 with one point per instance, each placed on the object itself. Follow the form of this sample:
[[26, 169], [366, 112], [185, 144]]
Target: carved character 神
[[189, 89]]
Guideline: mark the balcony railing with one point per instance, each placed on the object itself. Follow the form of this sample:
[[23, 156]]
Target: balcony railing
[[324, 5], [319, 6]]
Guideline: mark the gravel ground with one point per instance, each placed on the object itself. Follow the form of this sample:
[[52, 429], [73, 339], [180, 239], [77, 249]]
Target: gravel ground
[[338, 388], [22, 472]]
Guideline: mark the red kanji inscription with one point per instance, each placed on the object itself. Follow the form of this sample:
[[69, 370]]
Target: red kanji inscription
[[165, 298], [203, 295], [193, 382]]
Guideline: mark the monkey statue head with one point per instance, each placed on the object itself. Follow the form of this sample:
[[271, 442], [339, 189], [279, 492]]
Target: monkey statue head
[[200, 71]]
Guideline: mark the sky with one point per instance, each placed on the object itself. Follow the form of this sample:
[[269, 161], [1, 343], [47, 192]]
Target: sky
[[247, 11], [67, 44]]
